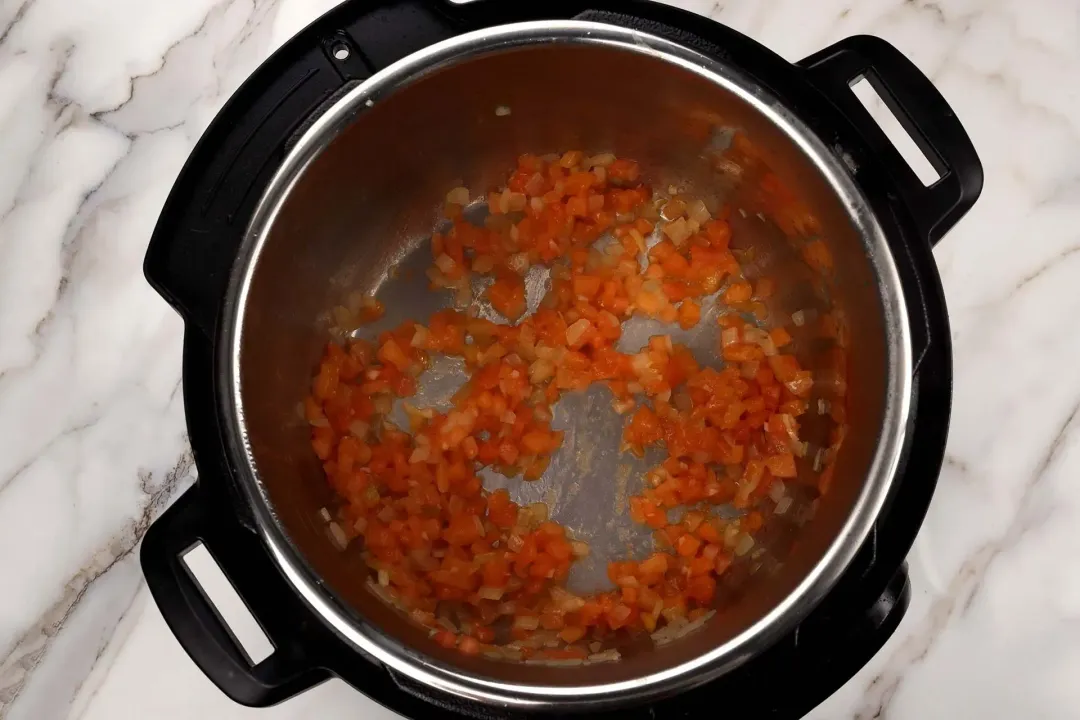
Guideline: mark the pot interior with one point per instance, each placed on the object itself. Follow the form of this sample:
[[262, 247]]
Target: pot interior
[[359, 216]]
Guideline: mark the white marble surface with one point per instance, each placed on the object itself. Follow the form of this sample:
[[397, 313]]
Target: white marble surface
[[100, 102]]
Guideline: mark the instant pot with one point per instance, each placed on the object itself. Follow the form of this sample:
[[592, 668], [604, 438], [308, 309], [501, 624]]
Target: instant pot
[[323, 172]]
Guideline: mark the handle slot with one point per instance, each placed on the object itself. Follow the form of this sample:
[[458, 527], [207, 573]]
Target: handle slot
[[924, 114], [194, 520], [923, 161], [232, 611]]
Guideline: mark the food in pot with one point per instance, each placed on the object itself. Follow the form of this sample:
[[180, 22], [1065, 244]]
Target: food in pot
[[483, 573]]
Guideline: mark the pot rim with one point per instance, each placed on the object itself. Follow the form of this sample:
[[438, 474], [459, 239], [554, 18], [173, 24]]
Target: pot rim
[[368, 639]]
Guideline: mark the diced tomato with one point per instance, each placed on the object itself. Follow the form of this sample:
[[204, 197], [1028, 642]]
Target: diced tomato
[[507, 295], [458, 558]]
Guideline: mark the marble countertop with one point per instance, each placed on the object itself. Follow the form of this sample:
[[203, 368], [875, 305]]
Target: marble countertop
[[102, 100]]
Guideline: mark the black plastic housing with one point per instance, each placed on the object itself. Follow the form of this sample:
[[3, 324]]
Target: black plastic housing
[[201, 226]]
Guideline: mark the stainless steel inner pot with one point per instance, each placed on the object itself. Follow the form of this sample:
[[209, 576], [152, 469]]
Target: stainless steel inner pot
[[352, 208]]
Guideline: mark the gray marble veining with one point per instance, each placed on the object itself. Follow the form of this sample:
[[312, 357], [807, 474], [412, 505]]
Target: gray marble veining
[[100, 103]]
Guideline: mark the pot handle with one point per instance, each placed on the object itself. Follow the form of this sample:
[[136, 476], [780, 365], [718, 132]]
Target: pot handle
[[922, 112], [200, 228], [198, 625]]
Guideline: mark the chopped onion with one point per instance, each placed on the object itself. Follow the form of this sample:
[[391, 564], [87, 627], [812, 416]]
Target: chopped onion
[[782, 506], [802, 385], [498, 653], [338, 536], [698, 212], [423, 559], [445, 263], [518, 262], [776, 491], [571, 158], [540, 371], [536, 512], [490, 593], [577, 330], [611, 655], [556, 662], [526, 622], [458, 196], [420, 337], [760, 338], [676, 630], [693, 520], [674, 209], [677, 231], [566, 601], [745, 544], [324, 514], [789, 427], [343, 318], [798, 318], [641, 364], [515, 202]]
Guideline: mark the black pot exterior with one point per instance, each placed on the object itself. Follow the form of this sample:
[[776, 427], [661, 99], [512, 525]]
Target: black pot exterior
[[191, 253]]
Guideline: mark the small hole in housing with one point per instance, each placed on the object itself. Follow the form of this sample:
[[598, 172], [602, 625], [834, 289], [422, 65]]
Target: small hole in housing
[[341, 51]]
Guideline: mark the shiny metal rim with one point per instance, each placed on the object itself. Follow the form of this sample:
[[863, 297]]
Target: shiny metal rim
[[368, 639]]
